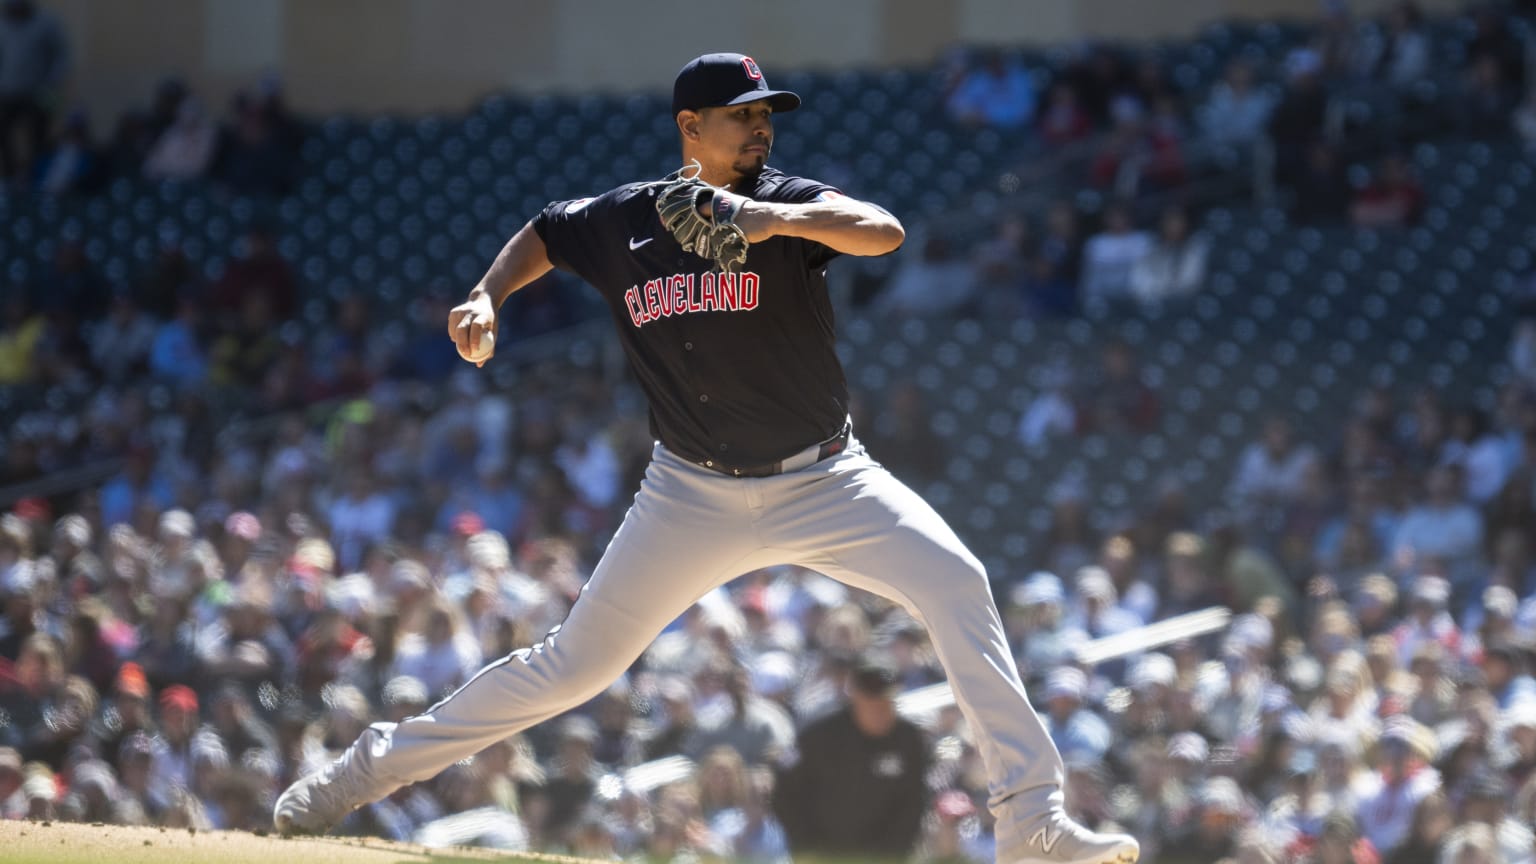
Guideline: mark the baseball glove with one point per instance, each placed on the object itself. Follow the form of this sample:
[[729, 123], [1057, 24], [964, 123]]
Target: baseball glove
[[716, 236]]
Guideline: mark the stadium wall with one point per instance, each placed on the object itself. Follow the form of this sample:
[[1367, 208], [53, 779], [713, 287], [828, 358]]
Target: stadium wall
[[413, 56]]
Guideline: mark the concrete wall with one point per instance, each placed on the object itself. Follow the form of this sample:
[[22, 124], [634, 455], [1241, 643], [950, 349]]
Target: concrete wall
[[426, 55]]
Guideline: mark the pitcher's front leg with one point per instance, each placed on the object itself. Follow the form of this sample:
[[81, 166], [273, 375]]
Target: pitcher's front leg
[[859, 524]]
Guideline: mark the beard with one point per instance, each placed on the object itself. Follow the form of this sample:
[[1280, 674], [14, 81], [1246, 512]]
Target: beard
[[750, 164]]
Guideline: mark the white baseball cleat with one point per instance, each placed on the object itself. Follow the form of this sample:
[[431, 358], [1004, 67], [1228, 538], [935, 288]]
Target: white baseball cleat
[[318, 801], [1059, 840]]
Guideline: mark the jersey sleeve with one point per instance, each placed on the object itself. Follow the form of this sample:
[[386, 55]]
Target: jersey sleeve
[[568, 227], [803, 190]]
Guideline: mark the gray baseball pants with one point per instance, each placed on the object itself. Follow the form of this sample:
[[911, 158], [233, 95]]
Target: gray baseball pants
[[691, 530]]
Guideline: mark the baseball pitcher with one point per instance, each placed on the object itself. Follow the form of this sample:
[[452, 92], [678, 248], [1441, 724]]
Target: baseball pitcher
[[716, 280]]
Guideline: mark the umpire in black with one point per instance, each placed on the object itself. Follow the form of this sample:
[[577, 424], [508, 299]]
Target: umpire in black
[[856, 788]]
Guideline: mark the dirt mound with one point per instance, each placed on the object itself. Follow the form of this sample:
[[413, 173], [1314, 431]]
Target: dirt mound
[[78, 843]]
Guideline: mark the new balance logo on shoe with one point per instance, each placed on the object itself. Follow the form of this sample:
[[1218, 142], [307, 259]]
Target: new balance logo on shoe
[[1062, 841], [1046, 838]]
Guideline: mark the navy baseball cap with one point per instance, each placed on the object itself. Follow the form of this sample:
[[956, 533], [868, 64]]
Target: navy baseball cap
[[714, 80]]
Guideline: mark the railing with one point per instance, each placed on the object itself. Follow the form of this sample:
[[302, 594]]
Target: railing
[[60, 482], [924, 704]]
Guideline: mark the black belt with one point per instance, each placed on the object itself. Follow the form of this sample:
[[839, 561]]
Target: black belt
[[804, 459]]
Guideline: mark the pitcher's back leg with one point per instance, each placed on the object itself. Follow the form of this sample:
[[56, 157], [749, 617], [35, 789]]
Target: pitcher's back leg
[[681, 538]]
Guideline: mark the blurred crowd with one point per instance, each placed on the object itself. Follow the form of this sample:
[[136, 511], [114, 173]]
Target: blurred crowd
[[183, 641], [1127, 110], [1329, 118], [51, 149], [1354, 93], [236, 602]]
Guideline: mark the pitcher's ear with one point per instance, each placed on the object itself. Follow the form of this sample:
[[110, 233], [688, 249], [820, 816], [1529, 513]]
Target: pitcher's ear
[[688, 124]]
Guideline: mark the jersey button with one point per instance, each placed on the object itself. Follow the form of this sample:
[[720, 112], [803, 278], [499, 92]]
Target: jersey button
[[724, 447], [703, 397], [687, 346]]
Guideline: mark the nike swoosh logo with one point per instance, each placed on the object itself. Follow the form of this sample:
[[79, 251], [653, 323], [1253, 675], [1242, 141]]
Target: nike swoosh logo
[[1046, 839], [636, 244]]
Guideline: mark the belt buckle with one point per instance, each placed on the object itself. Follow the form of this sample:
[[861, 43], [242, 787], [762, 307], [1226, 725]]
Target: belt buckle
[[834, 445]]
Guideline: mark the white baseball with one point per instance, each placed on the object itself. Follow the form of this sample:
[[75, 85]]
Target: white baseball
[[487, 345]]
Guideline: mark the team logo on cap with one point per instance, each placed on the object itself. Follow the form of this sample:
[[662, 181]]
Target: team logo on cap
[[753, 72]]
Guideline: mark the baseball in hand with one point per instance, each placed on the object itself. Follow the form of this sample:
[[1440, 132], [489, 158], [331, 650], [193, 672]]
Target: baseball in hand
[[487, 345]]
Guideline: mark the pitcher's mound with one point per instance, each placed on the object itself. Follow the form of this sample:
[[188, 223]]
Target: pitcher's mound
[[79, 843]]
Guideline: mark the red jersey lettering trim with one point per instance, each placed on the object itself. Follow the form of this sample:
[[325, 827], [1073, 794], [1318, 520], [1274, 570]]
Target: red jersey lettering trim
[[687, 293]]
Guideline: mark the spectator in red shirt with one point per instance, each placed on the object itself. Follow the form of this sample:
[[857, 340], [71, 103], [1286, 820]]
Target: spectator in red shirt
[[323, 648], [1394, 199], [258, 268], [1063, 119], [1153, 144], [1118, 398]]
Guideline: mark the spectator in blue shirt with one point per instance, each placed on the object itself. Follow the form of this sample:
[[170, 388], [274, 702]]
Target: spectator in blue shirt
[[177, 355], [1000, 93], [1079, 734], [138, 482], [1236, 112], [1504, 668]]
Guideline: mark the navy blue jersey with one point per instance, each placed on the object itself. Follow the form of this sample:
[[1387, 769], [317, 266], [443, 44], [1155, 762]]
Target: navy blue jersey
[[740, 369]]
